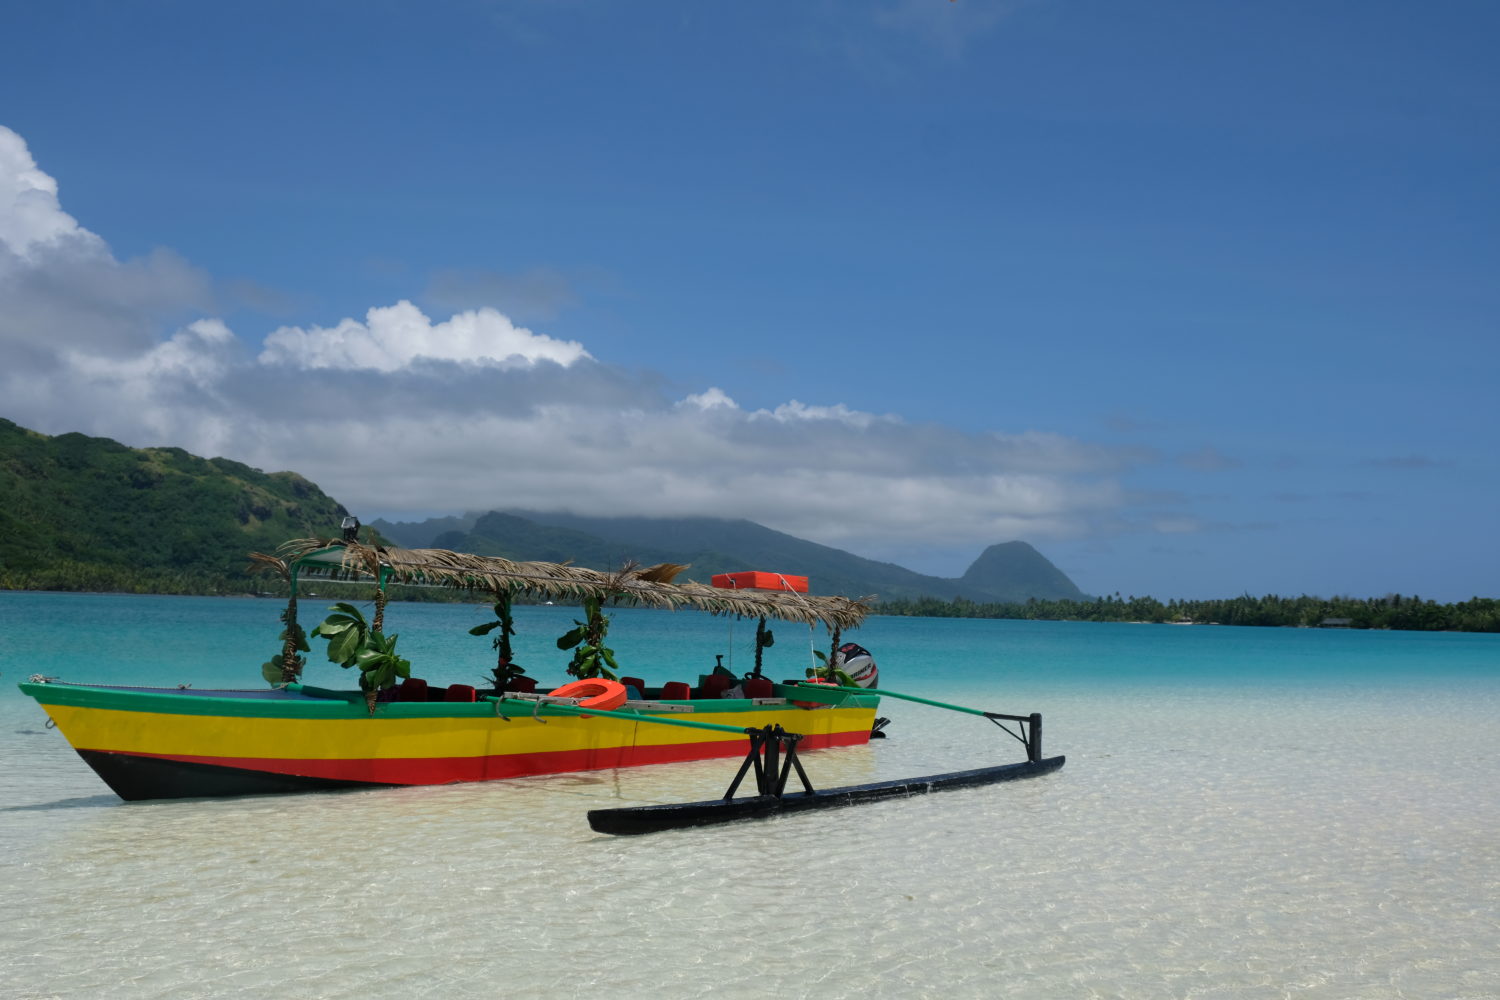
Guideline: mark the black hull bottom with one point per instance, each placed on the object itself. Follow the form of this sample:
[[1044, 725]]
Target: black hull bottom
[[135, 778], [651, 819]]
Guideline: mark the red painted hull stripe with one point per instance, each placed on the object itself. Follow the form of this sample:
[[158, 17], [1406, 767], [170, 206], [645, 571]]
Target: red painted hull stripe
[[445, 770]]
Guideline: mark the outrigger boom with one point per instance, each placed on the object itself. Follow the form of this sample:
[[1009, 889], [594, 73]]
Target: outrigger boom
[[773, 758]]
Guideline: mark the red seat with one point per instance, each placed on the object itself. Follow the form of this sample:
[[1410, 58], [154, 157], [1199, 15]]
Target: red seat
[[412, 689], [460, 692], [714, 685], [676, 691], [522, 685], [759, 687], [634, 682]]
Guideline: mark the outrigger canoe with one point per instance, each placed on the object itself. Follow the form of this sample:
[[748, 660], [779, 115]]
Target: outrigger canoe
[[149, 743], [171, 743], [154, 743]]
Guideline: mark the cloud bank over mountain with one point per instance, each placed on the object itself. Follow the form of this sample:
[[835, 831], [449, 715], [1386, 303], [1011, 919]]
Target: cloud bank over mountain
[[402, 414]]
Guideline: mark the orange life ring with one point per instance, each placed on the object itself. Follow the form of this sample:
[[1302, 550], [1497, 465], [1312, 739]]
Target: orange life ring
[[596, 692], [815, 704]]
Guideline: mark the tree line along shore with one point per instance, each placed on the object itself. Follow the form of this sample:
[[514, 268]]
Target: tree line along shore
[[1393, 611]]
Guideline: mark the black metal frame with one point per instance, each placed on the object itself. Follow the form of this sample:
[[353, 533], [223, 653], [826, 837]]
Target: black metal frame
[[1030, 735], [771, 774]]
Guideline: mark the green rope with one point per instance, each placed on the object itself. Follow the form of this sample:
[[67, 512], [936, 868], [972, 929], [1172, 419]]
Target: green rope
[[895, 694], [549, 708]]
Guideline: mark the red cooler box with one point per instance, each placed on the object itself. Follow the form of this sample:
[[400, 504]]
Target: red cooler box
[[753, 580]]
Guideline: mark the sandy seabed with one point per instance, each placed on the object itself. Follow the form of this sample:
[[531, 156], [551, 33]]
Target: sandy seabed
[[1214, 845], [1245, 813]]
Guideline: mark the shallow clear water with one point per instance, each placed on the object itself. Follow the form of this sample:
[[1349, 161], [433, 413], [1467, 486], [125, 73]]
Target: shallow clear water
[[1245, 813]]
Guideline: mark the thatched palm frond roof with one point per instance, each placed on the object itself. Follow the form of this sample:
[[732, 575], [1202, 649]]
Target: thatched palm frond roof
[[649, 586]]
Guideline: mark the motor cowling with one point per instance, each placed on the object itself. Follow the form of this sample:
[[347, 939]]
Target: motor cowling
[[856, 661]]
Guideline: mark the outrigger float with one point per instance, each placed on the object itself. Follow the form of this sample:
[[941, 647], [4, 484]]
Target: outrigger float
[[771, 798], [154, 743]]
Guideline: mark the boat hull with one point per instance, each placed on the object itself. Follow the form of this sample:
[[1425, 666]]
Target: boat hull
[[152, 743]]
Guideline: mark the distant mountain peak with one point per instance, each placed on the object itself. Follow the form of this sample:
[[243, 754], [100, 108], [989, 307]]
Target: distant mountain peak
[[1017, 571], [1010, 571]]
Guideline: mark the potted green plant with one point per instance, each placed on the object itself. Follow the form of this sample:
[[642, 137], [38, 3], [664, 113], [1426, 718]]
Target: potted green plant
[[353, 643], [506, 669], [286, 666], [591, 658]]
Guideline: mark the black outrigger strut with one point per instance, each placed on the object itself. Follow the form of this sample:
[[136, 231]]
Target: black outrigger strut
[[768, 779], [773, 758], [1030, 734]]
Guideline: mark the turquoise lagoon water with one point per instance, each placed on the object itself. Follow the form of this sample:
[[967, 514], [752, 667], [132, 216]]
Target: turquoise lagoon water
[[1248, 813]]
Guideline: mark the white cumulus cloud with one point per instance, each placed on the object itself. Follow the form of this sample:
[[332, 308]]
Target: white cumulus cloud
[[30, 214], [393, 337], [61, 288], [478, 412], [712, 398]]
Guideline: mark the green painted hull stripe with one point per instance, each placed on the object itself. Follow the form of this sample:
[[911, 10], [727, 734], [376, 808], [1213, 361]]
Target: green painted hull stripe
[[328, 704]]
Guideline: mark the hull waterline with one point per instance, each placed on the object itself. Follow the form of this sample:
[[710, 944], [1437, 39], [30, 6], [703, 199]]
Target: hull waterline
[[150, 744]]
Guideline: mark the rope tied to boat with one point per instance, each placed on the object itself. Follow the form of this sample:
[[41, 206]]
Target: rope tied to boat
[[812, 629]]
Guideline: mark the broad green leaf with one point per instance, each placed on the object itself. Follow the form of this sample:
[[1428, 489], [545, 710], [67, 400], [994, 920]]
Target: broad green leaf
[[485, 629], [344, 646], [271, 671]]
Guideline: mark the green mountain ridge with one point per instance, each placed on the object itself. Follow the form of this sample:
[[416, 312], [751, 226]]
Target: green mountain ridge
[[1010, 571], [87, 513]]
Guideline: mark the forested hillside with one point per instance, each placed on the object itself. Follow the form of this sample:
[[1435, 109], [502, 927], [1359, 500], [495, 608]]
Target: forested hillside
[[85, 513]]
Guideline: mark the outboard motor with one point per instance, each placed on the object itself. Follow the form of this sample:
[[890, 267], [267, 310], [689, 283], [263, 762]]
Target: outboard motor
[[856, 661]]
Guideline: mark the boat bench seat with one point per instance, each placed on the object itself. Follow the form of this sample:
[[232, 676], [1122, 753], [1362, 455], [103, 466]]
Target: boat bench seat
[[676, 691], [714, 686], [759, 687], [417, 689], [412, 689]]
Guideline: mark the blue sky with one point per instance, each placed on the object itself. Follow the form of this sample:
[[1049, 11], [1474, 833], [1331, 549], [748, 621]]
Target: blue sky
[[1199, 299]]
